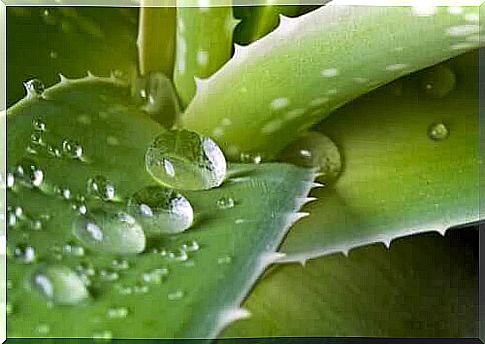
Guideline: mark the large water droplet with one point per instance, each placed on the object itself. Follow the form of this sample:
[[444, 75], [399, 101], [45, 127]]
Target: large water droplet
[[315, 150], [29, 174], [182, 159], [72, 149], [34, 88], [101, 187], [106, 232], [158, 95], [438, 132], [437, 82], [161, 210], [59, 284]]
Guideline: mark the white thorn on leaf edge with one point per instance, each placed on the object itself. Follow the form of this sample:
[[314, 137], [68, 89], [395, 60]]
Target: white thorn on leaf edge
[[318, 185], [271, 257]]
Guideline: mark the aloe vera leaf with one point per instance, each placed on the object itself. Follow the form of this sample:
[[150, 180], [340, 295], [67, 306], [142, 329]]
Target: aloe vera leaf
[[424, 286], [156, 39], [272, 90], [257, 21], [203, 44], [396, 180], [199, 294], [45, 41]]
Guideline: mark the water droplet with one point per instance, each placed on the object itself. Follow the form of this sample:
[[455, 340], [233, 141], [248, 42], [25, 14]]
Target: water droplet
[[117, 312], [108, 275], [178, 255], [155, 276], [43, 329], [190, 246], [53, 151], [9, 308], [176, 295], [161, 210], [10, 180], [250, 158], [437, 82], [79, 205], [101, 187], [59, 284], [36, 139], [105, 335], [315, 150], [140, 289], [225, 203], [34, 88], [438, 132], [159, 98], [63, 192], [120, 264], [185, 160], [29, 174], [53, 54], [24, 253], [224, 260], [105, 232], [72, 149], [74, 249], [14, 216]]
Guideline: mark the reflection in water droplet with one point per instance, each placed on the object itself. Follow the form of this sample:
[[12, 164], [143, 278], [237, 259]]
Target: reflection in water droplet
[[59, 284], [161, 210], [438, 132], [437, 82], [29, 174], [72, 149], [315, 150], [34, 88], [101, 187], [225, 203], [106, 232], [182, 159]]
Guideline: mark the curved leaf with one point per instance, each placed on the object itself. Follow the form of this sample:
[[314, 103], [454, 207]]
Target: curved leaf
[[187, 285]]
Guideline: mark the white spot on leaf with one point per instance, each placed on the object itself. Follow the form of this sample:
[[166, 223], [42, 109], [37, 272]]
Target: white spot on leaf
[[279, 103], [329, 73]]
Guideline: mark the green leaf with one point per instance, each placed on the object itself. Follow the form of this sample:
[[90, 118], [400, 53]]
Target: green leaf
[[203, 274], [203, 44], [272, 90], [425, 286], [396, 180]]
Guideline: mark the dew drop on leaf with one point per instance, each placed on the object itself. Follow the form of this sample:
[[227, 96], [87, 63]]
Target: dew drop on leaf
[[10, 180], [29, 174], [155, 276], [190, 246], [72, 149], [225, 203], [110, 232], [117, 312], [315, 150], [176, 295], [438, 132], [24, 253], [184, 160], [250, 158], [161, 210], [38, 124], [101, 187], [437, 82], [34, 88], [59, 284]]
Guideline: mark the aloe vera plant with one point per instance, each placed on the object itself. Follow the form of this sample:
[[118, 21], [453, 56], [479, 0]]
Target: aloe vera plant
[[77, 162]]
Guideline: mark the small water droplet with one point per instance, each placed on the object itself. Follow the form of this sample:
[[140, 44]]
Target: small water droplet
[[315, 150], [176, 295], [36, 139], [120, 264], [14, 216], [10, 180], [9, 308], [74, 249], [438, 132], [63, 192], [224, 260], [24, 253], [155, 276], [117, 312], [140, 289], [182, 159], [178, 255], [108, 275], [437, 82], [190, 246], [53, 151], [72, 149], [101, 187], [250, 158], [53, 54], [29, 174], [59, 284], [161, 210], [103, 335], [34, 88], [225, 203], [43, 329], [105, 232]]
